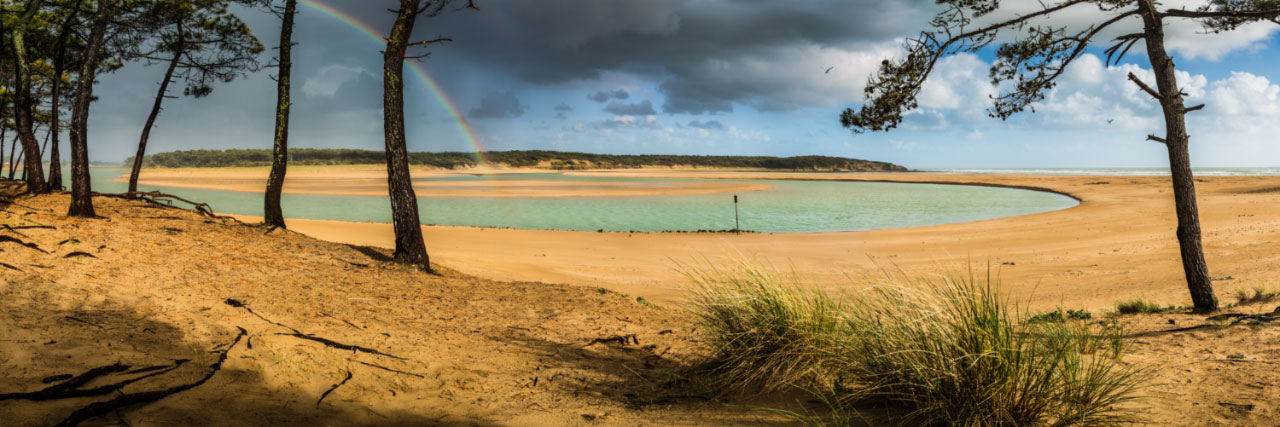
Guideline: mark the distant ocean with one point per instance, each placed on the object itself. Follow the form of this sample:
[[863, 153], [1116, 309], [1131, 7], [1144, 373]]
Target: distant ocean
[[1111, 171]]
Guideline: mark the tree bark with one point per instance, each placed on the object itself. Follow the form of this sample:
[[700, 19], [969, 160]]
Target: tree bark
[[410, 247], [155, 112], [32, 169], [4, 131], [81, 193], [273, 215], [1177, 142], [59, 68], [13, 156]]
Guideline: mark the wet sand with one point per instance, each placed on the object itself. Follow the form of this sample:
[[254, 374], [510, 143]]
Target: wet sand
[[370, 180], [1118, 243]]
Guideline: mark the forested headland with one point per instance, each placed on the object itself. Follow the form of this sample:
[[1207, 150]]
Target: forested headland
[[554, 160]]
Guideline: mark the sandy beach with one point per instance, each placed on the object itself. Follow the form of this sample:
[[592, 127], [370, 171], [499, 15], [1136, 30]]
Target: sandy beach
[[1118, 243], [149, 286]]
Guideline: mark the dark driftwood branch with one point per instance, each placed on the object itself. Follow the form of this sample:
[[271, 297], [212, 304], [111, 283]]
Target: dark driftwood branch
[[331, 389], [98, 409], [1144, 87]]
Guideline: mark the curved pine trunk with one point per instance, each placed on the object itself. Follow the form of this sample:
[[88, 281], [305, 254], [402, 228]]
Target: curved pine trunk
[[272, 214], [32, 169], [81, 193], [1177, 142], [155, 112], [410, 248]]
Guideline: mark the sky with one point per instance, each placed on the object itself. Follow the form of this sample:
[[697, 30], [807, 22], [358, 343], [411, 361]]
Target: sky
[[722, 77]]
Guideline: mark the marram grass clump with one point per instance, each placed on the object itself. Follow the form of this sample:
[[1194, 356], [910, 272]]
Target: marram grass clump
[[948, 349]]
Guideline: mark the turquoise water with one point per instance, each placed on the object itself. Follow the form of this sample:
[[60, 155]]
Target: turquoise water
[[789, 207]]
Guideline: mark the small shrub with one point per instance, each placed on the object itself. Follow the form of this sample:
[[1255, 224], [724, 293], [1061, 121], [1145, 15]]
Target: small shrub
[[1139, 305], [1260, 294], [950, 350], [1059, 315]]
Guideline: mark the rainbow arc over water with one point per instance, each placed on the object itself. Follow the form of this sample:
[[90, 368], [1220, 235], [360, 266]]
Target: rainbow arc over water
[[415, 69]]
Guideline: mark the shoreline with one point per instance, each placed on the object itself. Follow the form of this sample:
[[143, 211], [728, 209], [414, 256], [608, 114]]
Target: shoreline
[[1117, 243]]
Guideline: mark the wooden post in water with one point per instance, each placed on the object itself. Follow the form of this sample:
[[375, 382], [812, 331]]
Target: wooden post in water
[[737, 227]]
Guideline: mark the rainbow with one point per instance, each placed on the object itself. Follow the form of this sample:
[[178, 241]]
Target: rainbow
[[415, 69]]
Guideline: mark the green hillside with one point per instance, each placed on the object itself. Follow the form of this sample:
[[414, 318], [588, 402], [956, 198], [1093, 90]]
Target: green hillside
[[553, 160]]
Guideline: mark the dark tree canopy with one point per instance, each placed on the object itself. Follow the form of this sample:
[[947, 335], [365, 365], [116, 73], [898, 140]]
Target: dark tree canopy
[[212, 44]]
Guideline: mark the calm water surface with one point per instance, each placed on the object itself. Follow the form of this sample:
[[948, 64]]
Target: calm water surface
[[790, 207]]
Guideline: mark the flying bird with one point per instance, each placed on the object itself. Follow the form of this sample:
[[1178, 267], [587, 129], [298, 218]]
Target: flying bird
[[828, 70], [1111, 120]]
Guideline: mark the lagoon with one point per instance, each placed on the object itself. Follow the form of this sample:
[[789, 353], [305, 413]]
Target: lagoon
[[788, 207]]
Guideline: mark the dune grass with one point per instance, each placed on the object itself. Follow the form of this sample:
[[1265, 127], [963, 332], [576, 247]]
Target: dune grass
[[948, 350], [1257, 295], [1140, 305]]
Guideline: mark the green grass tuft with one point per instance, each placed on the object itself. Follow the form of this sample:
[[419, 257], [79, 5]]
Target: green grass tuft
[[948, 349], [1260, 294], [1060, 315], [1141, 305]]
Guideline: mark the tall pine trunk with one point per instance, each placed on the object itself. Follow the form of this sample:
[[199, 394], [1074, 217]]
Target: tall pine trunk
[[273, 215], [1177, 142], [81, 193], [155, 112], [410, 248], [59, 68], [32, 169], [13, 156]]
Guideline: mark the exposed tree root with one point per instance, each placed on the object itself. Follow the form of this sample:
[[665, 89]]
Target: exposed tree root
[[10, 266], [71, 387], [1239, 317], [298, 334], [331, 389], [79, 254], [341, 346], [240, 304], [21, 242], [98, 409], [620, 339], [354, 264], [388, 369], [163, 199], [353, 325]]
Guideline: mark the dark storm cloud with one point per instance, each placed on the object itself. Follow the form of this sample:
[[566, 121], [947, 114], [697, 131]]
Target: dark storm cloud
[[643, 108], [708, 125], [694, 49], [498, 105], [603, 96]]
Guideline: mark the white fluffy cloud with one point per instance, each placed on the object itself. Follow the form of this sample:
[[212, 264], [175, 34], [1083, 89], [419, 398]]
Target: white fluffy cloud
[[1091, 96]]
